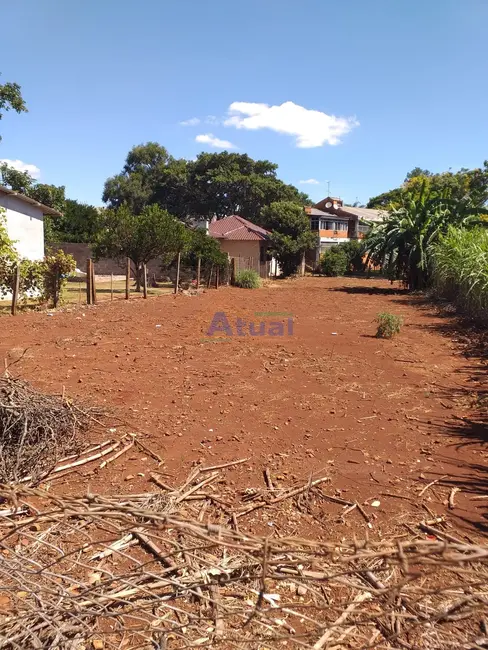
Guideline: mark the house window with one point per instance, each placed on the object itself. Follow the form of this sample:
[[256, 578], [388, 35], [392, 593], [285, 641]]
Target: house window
[[314, 223], [325, 224]]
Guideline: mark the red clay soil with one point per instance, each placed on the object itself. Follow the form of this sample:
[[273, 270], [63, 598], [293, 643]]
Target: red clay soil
[[381, 418]]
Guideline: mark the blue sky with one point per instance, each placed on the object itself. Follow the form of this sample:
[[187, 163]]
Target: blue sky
[[399, 83]]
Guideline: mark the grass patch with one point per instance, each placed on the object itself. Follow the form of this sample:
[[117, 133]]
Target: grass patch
[[248, 279]]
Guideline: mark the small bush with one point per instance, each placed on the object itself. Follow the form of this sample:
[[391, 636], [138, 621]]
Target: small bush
[[334, 262], [388, 325], [354, 253], [57, 267], [248, 279]]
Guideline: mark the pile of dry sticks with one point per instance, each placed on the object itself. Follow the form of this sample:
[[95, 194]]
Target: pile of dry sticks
[[164, 570], [37, 430]]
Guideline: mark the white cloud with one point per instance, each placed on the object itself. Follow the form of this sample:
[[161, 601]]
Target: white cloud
[[310, 128], [20, 166], [310, 181], [193, 121], [213, 119], [209, 138]]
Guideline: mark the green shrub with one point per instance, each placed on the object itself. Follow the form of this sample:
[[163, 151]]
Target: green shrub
[[56, 267], [388, 325], [334, 262], [31, 273], [248, 279], [354, 253]]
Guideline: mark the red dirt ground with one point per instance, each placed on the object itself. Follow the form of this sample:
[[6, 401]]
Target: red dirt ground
[[379, 417]]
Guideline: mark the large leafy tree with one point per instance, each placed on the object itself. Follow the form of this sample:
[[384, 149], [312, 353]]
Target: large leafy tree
[[149, 176], [290, 230], [215, 184], [50, 195], [11, 99], [80, 223], [402, 244], [226, 183], [151, 234], [417, 171]]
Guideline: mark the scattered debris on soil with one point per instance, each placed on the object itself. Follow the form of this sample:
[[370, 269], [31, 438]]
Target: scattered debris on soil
[[171, 569]]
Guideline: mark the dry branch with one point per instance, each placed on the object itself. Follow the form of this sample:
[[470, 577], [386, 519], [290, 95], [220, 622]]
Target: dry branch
[[144, 571], [37, 430]]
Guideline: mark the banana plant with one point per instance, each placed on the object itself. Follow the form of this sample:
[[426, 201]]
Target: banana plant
[[402, 243]]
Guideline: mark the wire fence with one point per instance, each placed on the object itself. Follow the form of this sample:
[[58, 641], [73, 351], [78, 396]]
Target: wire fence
[[172, 569]]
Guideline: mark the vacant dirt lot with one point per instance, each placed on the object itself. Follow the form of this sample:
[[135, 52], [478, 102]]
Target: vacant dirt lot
[[381, 418]]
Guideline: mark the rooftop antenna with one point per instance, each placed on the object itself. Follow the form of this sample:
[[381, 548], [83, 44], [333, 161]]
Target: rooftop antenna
[[328, 188]]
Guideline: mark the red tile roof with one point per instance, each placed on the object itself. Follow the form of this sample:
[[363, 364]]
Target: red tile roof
[[237, 228]]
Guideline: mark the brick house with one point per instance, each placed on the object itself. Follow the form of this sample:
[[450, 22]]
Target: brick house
[[335, 223]]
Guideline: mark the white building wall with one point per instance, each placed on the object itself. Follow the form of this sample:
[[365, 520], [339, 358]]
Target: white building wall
[[25, 226]]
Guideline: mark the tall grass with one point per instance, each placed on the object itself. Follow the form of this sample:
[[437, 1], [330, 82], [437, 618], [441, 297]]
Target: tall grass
[[460, 270], [248, 279]]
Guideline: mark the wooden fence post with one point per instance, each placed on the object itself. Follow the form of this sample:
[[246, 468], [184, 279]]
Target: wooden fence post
[[217, 277], [111, 286], [88, 282], [144, 280], [127, 280], [177, 279], [210, 277], [199, 266], [233, 271], [16, 288], [55, 289], [93, 286]]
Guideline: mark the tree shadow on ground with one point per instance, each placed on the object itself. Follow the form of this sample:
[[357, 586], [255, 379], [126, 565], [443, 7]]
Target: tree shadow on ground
[[371, 291], [471, 479], [467, 391]]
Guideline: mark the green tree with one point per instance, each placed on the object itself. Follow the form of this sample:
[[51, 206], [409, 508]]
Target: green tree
[[218, 184], [468, 185], [205, 247], [417, 171], [402, 244], [226, 183], [290, 230], [11, 99], [143, 237], [22, 182], [150, 176], [14, 179], [80, 223]]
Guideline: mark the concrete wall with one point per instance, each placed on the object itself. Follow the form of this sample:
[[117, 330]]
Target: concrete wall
[[25, 226]]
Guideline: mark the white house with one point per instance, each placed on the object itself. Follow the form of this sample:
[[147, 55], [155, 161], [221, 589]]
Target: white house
[[25, 222]]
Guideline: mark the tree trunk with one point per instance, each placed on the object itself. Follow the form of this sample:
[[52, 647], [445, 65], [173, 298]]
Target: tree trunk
[[138, 278]]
